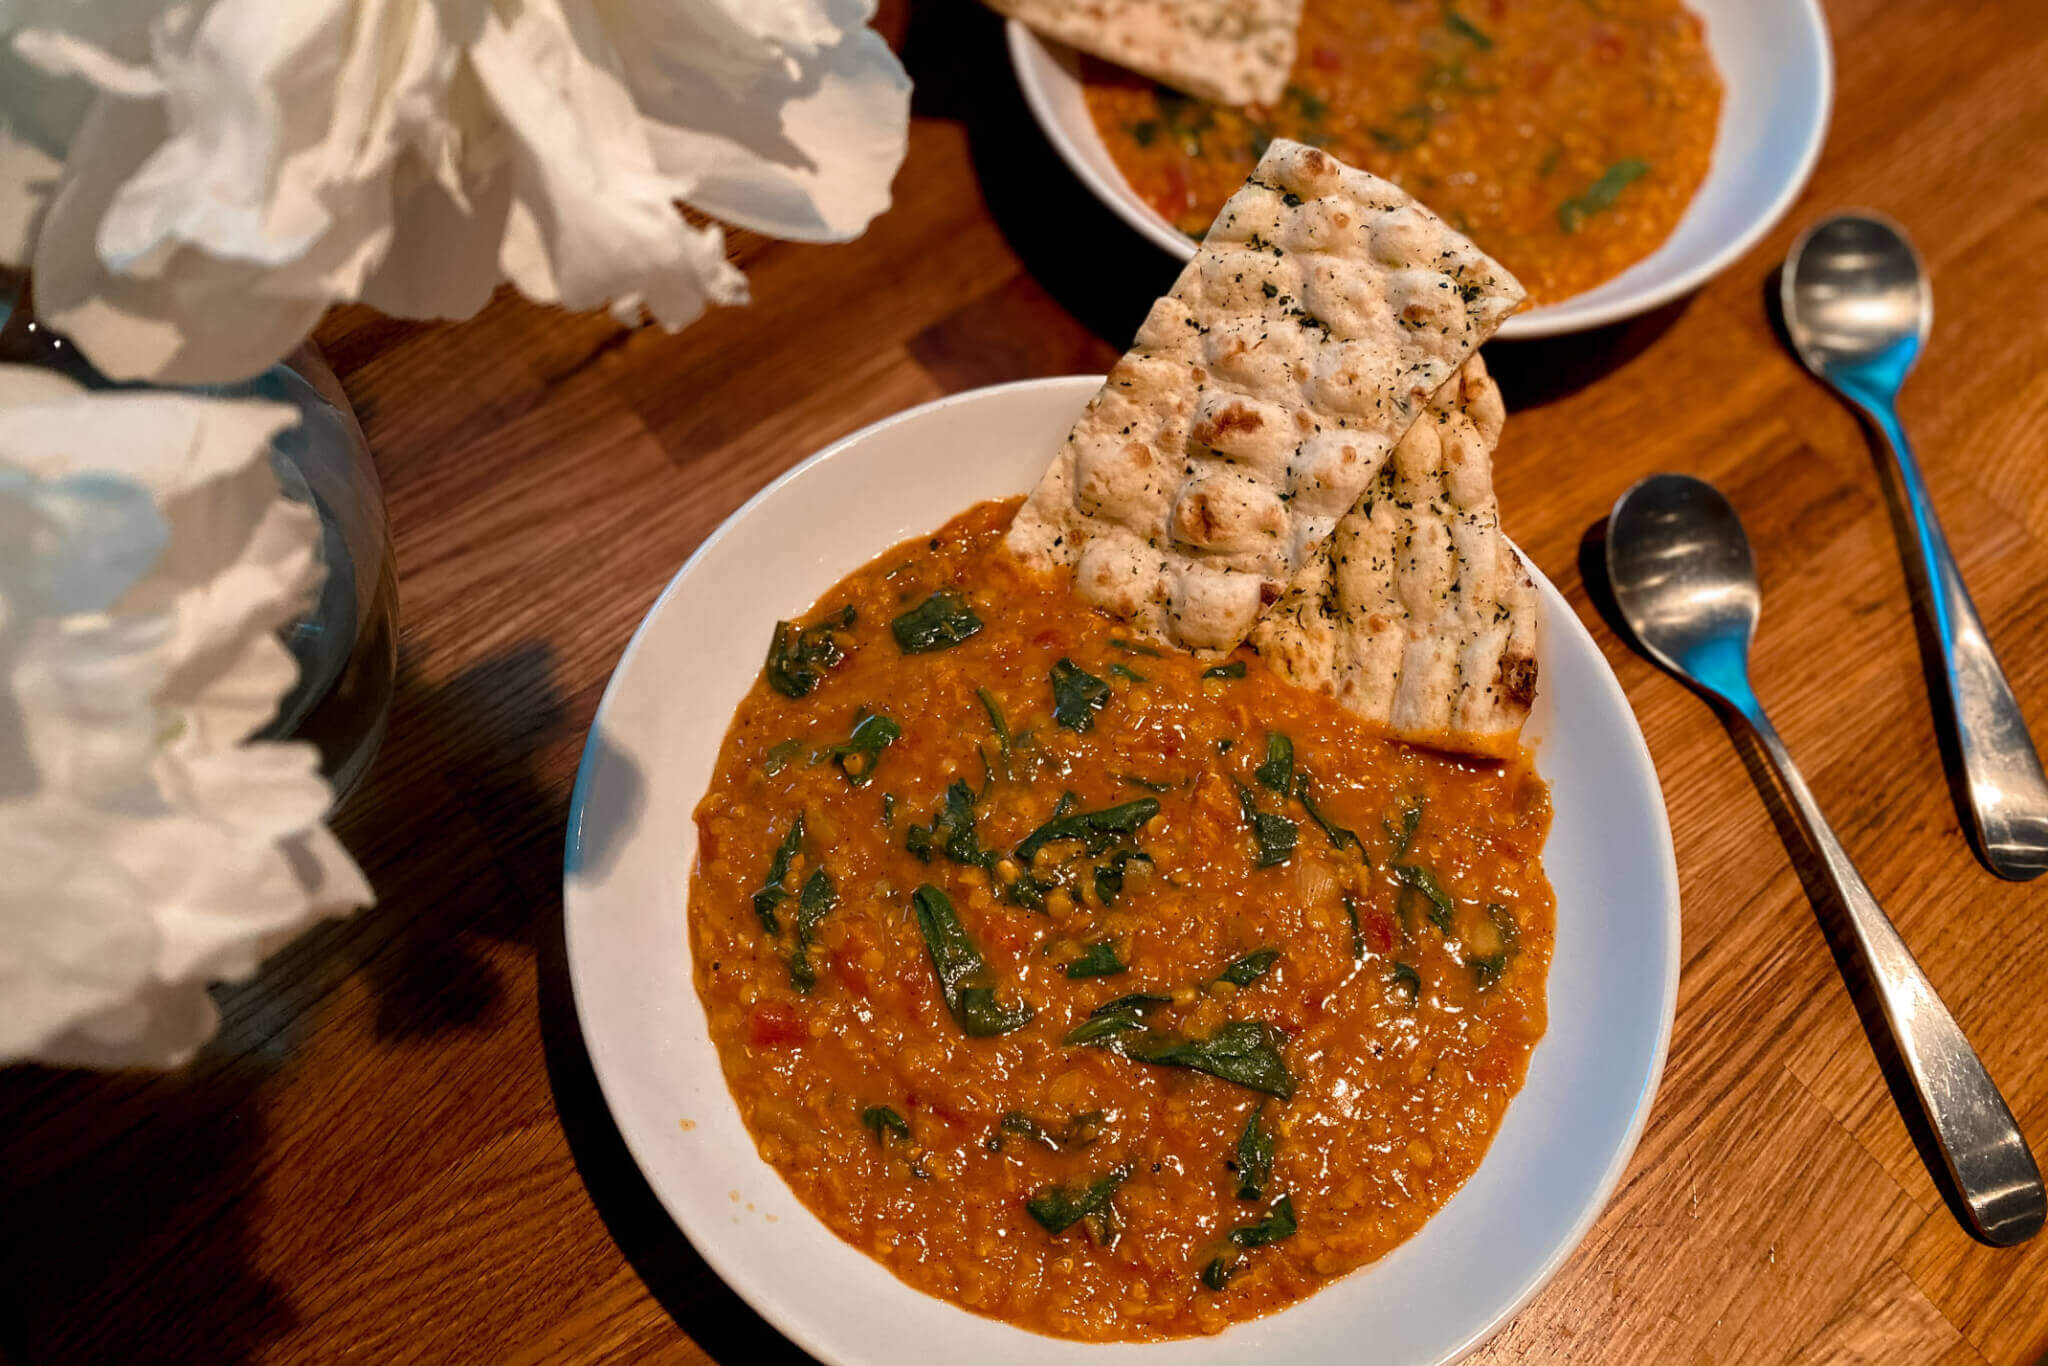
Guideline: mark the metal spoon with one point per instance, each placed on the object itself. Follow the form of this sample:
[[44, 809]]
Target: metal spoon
[[1858, 305], [1683, 577]]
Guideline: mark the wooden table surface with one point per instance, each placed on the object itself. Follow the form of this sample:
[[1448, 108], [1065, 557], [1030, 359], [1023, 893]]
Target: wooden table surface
[[396, 1150]]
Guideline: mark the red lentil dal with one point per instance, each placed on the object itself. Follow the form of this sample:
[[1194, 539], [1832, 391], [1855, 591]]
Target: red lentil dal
[[1566, 137], [1402, 1015]]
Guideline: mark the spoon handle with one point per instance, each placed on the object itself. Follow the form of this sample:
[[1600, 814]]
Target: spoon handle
[[1979, 1139], [2008, 791]]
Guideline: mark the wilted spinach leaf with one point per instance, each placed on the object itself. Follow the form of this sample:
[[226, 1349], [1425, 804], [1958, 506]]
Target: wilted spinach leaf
[[1234, 669], [1098, 830], [883, 1121], [1254, 1161], [1076, 695], [1277, 772], [1098, 960], [1109, 876], [1507, 938], [1078, 1132], [951, 831], [798, 656], [1250, 968], [962, 971], [1601, 194], [996, 720], [813, 904], [1119, 1016], [1016, 1122], [1466, 29], [1357, 934], [1243, 1052], [1277, 1225], [1059, 1208], [772, 893], [857, 758], [1273, 836], [1441, 907], [1339, 837], [940, 622], [1400, 837]]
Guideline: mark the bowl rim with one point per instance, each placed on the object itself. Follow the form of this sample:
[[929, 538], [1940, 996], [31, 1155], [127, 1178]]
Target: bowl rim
[[1030, 52], [715, 1254]]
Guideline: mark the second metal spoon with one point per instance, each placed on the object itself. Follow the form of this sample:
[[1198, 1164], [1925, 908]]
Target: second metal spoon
[[1858, 306], [1685, 581]]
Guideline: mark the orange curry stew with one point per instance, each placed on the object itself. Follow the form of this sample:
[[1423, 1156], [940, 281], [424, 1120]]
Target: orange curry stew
[[1565, 137], [1099, 988]]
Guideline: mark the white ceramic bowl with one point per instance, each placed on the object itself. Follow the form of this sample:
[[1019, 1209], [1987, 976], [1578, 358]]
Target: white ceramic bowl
[[1778, 74], [1559, 1152]]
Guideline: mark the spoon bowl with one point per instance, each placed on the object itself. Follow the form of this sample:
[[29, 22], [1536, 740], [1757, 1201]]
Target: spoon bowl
[[1683, 575], [1855, 292]]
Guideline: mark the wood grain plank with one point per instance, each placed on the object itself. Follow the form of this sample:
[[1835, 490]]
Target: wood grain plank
[[1742, 1211], [1887, 1319]]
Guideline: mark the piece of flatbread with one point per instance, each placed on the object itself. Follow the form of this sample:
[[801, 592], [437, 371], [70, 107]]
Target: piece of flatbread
[[1260, 398], [1417, 613], [1230, 51]]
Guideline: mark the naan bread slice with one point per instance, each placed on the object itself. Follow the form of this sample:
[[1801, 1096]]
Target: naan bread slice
[[1417, 613], [1260, 398], [1230, 51]]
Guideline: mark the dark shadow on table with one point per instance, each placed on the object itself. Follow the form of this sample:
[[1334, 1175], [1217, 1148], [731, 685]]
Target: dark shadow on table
[[1083, 255], [116, 1242], [716, 1319], [457, 832], [1828, 910], [1544, 369], [127, 1200]]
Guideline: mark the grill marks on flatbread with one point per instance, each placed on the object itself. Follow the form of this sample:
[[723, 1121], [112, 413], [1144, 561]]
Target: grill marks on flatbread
[[1417, 613], [1231, 51], [1260, 398]]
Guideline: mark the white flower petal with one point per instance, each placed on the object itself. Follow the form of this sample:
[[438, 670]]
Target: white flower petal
[[85, 539], [197, 320], [162, 1024], [83, 699], [57, 53], [443, 261], [246, 163], [593, 202], [28, 177], [70, 942], [809, 159]]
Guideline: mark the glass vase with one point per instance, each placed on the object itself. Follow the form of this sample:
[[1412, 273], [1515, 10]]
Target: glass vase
[[346, 644]]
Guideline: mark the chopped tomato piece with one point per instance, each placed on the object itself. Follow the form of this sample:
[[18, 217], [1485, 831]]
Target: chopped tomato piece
[[774, 1024], [1378, 928]]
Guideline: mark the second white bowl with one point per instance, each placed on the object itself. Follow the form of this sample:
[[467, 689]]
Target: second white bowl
[[1777, 71]]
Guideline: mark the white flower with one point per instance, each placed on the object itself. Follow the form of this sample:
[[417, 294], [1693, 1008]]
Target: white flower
[[192, 182], [147, 561]]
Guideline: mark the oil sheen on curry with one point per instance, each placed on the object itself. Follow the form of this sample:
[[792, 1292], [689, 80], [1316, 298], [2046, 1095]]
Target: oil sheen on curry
[[1099, 988], [1566, 137]]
